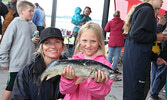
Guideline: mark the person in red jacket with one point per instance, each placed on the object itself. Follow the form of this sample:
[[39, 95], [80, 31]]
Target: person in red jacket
[[116, 38]]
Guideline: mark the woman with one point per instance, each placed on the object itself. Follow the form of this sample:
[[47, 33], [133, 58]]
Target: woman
[[116, 39], [138, 48], [25, 87]]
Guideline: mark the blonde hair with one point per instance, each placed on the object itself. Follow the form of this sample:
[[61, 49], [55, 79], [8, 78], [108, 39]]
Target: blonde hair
[[127, 23], [117, 14], [23, 5], [95, 28]]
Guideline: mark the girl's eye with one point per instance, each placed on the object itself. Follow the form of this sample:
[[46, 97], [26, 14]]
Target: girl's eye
[[84, 40], [93, 41]]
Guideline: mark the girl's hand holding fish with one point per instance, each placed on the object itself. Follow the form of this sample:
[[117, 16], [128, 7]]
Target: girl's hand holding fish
[[68, 73], [100, 77]]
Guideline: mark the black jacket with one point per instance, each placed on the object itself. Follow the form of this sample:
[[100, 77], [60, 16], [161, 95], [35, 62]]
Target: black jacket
[[25, 86]]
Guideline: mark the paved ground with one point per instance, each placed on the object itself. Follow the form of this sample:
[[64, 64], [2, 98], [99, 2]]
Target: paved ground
[[115, 93]]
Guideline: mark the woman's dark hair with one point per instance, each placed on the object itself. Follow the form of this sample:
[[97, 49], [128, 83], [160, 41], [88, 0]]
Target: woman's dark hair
[[88, 8]]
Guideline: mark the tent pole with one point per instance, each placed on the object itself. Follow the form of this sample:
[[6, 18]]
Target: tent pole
[[53, 16], [105, 15]]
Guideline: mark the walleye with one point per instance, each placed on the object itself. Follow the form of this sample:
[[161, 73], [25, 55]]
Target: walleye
[[82, 67]]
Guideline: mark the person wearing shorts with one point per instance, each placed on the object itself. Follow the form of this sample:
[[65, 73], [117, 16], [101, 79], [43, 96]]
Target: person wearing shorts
[[17, 46], [11, 79]]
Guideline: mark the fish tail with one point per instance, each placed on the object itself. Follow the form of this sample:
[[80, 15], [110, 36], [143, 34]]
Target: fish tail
[[80, 80]]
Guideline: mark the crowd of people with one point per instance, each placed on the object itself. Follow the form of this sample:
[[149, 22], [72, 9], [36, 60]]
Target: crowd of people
[[145, 47]]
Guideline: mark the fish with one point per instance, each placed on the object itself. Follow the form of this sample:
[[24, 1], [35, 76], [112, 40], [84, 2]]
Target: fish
[[83, 68]]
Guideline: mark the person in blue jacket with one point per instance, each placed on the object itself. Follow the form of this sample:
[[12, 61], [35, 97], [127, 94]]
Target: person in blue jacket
[[25, 86], [76, 20], [77, 23], [138, 49], [38, 18]]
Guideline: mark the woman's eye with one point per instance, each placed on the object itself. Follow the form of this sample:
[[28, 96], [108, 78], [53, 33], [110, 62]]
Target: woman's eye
[[46, 43], [57, 42]]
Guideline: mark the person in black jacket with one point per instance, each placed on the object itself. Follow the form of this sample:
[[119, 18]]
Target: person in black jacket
[[25, 87], [138, 49]]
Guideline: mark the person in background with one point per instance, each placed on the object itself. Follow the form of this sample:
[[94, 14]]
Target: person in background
[[12, 13], [3, 12], [38, 18], [86, 13], [138, 49], [90, 45], [44, 24], [158, 74], [116, 38], [25, 87], [16, 48], [77, 18], [161, 72]]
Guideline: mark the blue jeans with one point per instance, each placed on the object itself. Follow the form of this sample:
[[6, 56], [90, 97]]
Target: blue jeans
[[159, 81], [153, 71], [116, 52]]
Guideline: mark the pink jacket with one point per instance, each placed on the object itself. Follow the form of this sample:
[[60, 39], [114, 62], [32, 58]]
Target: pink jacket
[[115, 26], [88, 89]]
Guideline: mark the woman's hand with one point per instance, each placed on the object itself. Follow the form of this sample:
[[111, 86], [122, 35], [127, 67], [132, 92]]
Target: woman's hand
[[82, 23], [161, 37], [162, 20], [100, 77], [161, 61], [36, 40], [69, 73]]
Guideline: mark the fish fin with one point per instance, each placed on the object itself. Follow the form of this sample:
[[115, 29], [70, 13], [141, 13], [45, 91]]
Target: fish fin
[[50, 76], [112, 77], [80, 80]]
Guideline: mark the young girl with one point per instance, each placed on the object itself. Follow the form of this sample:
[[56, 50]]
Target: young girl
[[90, 45]]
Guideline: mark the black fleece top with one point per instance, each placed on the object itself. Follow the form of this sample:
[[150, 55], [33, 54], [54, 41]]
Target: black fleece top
[[26, 88], [142, 23]]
